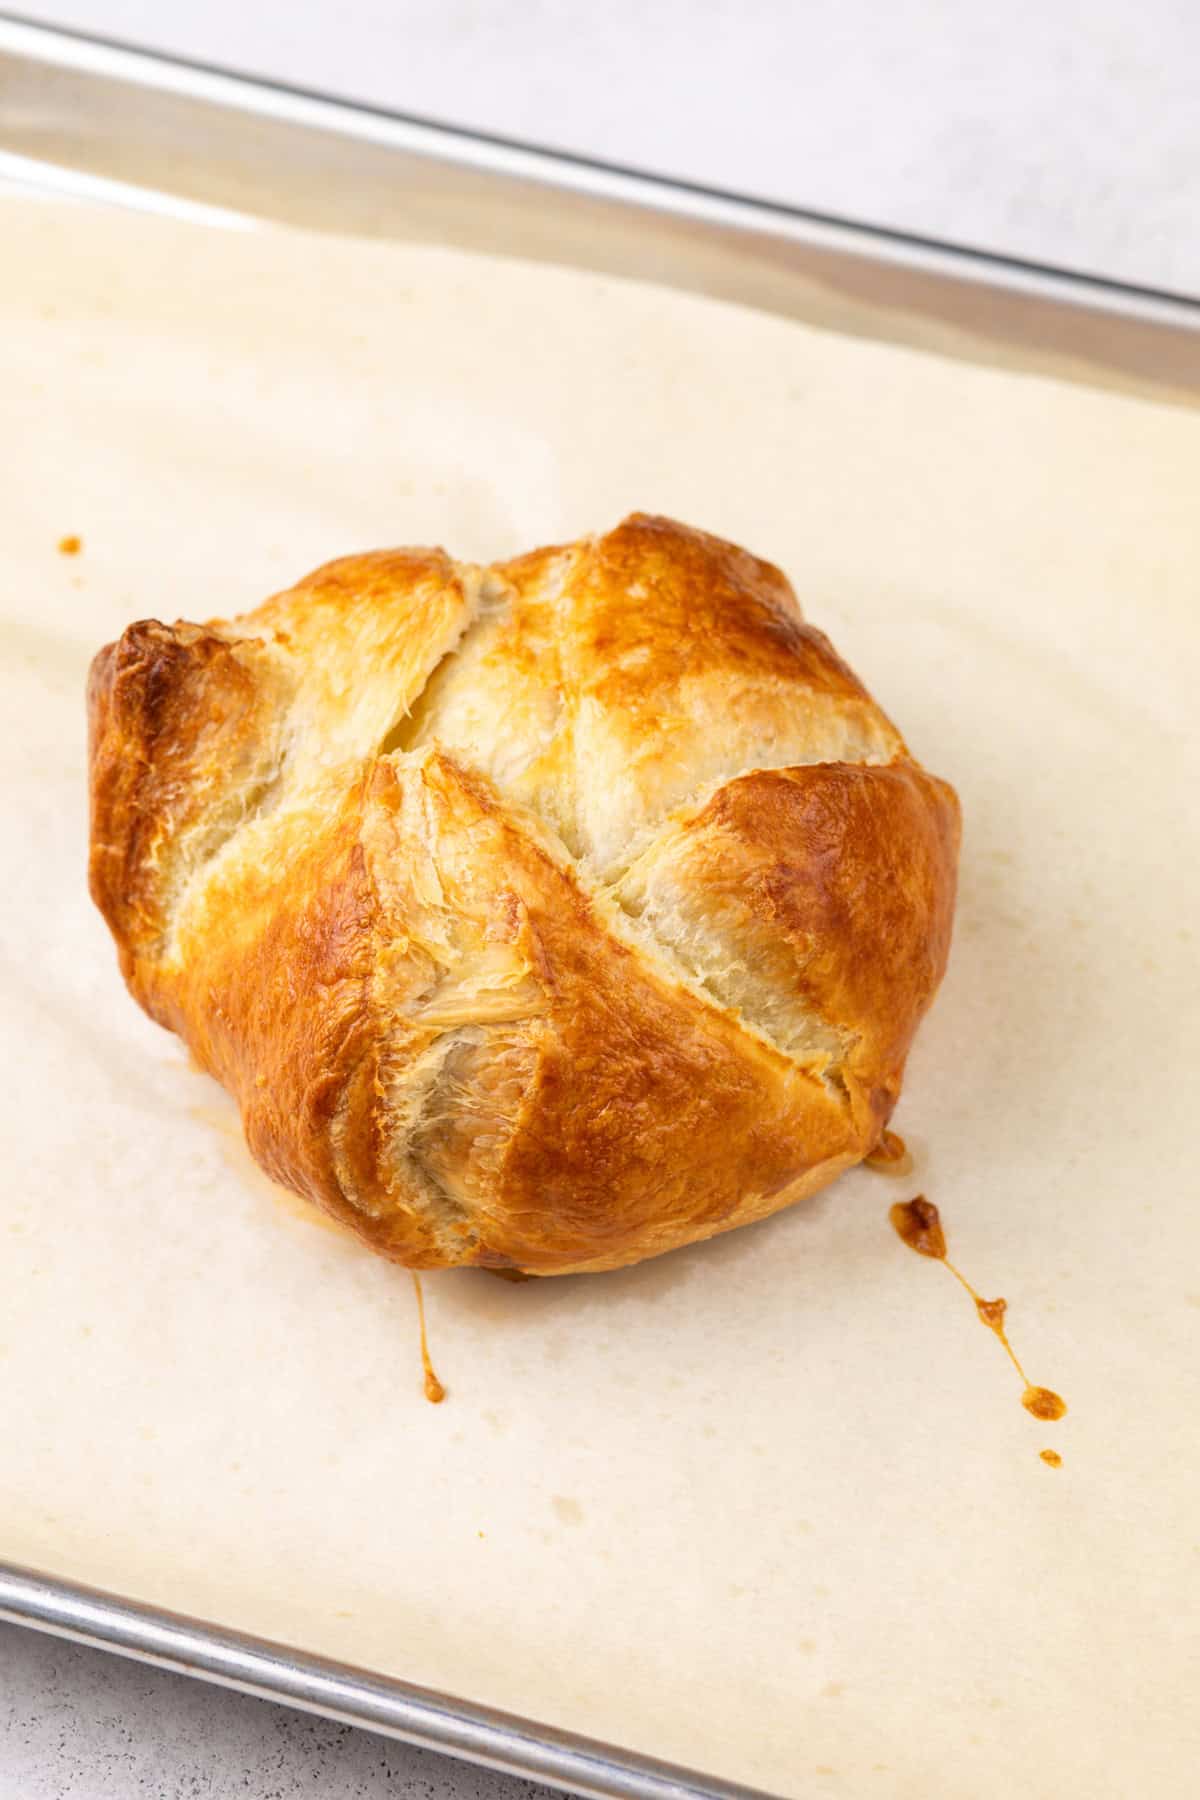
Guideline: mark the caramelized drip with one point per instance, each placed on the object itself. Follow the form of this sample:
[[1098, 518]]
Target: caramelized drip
[[435, 1393], [918, 1224], [1052, 1457], [1043, 1403], [890, 1155]]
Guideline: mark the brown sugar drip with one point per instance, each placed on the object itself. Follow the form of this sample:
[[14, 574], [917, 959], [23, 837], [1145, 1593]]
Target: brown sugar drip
[[70, 546], [1052, 1457], [435, 1393], [1043, 1403], [891, 1155], [919, 1225]]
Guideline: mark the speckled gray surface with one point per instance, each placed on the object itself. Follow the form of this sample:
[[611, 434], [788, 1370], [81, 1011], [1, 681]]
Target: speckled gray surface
[[79, 1724]]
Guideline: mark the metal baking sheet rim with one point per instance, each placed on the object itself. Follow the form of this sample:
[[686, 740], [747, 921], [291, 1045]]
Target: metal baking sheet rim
[[255, 1666], [880, 282], [269, 1671]]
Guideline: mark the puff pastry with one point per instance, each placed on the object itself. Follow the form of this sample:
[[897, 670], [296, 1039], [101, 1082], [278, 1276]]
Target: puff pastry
[[543, 916]]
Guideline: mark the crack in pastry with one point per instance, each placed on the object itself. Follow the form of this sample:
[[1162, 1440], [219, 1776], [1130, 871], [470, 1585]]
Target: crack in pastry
[[543, 916]]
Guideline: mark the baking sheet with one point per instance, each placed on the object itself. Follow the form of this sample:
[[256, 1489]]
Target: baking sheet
[[115, 124], [769, 1507]]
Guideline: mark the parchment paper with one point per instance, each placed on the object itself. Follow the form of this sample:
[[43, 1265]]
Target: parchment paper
[[770, 1506]]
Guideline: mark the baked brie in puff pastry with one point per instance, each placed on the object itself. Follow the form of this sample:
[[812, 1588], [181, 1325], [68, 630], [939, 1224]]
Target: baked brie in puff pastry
[[543, 916]]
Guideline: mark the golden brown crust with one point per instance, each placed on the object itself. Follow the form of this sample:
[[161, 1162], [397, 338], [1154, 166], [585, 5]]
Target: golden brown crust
[[833, 883], [165, 708], [543, 917]]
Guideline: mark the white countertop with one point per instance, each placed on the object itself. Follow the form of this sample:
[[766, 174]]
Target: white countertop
[[1066, 133]]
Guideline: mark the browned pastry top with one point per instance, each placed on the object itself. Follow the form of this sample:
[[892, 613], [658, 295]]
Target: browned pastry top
[[542, 916]]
